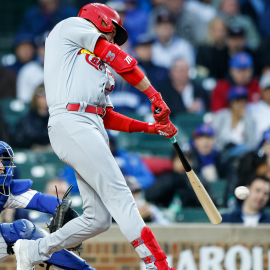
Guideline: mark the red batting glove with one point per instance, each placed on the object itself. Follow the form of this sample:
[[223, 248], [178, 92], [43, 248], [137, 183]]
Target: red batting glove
[[167, 131], [162, 116], [158, 103]]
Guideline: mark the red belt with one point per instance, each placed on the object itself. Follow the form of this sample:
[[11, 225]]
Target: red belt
[[88, 109]]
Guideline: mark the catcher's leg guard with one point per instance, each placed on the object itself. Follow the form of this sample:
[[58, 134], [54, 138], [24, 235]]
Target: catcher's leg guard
[[149, 250], [65, 259]]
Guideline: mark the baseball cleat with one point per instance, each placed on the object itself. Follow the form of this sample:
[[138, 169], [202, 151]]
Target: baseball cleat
[[20, 250]]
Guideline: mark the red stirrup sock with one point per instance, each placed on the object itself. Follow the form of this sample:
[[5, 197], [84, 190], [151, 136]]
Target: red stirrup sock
[[149, 250]]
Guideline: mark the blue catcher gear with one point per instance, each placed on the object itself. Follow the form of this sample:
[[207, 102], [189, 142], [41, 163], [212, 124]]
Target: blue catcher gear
[[25, 229], [6, 168]]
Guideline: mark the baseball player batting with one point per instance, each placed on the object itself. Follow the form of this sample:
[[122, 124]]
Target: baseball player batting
[[78, 82], [16, 194]]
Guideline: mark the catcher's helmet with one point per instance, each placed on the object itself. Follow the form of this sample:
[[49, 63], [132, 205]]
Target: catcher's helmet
[[7, 156], [96, 13]]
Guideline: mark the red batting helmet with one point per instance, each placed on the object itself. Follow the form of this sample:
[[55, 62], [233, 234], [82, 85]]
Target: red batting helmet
[[96, 13]]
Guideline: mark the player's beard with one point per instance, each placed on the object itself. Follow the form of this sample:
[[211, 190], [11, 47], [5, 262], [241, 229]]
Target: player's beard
[[1, 172]]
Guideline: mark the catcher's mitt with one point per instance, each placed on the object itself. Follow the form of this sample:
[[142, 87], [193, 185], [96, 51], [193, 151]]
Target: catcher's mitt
[[63, 214]]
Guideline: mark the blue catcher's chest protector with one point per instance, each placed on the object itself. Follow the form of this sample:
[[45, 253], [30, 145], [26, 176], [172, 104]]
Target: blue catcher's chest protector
[[17, 187], [25, 229]]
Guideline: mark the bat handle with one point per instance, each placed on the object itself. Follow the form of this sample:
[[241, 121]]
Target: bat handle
[[173, 140], [183, 159]]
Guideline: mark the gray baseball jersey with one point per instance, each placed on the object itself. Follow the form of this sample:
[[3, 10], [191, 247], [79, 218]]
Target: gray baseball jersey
[[74, 75]]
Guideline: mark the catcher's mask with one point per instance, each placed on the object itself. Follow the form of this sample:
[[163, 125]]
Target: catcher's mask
[[6, 171]]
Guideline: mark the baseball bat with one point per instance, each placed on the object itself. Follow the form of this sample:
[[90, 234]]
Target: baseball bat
[[204, 198]]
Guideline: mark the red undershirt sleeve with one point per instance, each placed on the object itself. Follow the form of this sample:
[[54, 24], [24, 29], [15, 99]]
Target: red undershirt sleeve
[[116, 121]]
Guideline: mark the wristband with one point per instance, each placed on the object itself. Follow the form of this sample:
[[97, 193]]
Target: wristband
[[152, 94], [150, 91]]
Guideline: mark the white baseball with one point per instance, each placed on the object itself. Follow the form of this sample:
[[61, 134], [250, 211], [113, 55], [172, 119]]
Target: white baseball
[[241, 193]]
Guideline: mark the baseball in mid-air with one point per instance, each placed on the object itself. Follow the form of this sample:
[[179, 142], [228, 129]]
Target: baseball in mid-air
[[241, 193]]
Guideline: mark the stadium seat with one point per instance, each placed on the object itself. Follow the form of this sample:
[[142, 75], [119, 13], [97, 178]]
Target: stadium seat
[[192, 215], [188, 122], [218, 191], [13, 110], [39, 167], [145, 144]]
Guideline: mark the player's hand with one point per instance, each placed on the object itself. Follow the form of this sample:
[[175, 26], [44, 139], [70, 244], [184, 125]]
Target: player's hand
[[167, 131], [158, 103]]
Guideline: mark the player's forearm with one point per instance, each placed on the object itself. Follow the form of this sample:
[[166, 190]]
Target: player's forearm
[[43, 203], [116, 121], [143, 84]]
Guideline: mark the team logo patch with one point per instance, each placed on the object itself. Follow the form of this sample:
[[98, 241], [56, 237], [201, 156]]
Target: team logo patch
[[95, 62], [137, 242], [128, 59]]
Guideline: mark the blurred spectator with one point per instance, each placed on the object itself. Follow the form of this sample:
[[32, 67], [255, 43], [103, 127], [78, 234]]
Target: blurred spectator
[[31, 75], [260, 111], [31, 131], [229, 10], [251, 213], [143, 52], [253, 8], [263, 57], [264, 20], [234, 126], [7, 83], [237, 41], [49, 189], [44, 16], [149, 212], [205, 156], [131, 164], [24, 51], [169, 185], [265, 147], [126, 99], [180, 93], [187, 23], [215, 48], [132, 15], [10, 215], [4, 131], [68, 174], [203, 9], [168, 47], [61, 185], [240, 74], [250, 163], [257, 161]]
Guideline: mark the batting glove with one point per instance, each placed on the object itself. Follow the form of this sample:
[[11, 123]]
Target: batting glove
[[158, 103], [167, 131]]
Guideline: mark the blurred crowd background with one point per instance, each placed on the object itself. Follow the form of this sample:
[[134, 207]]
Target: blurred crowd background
[[210, 59]]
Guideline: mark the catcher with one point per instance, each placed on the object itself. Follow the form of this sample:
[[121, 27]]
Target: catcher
[[17, 194]]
